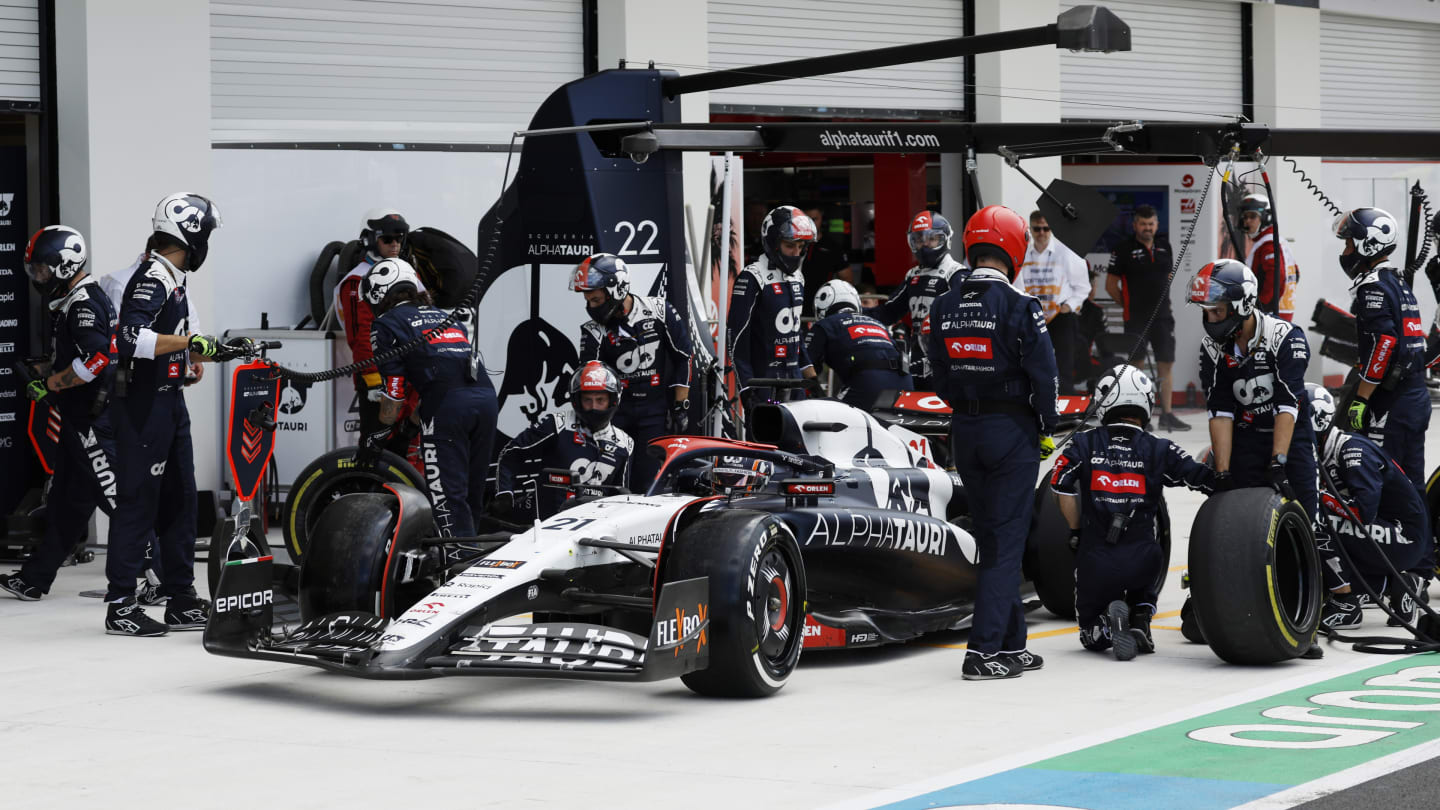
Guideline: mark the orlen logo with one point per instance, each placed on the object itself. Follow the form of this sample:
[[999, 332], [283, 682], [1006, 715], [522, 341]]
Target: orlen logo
[[960, 348], [1412, 327], [868, 330], [244, 601], [428, 607], [1381, 358], [1130, 483], [922, 222]]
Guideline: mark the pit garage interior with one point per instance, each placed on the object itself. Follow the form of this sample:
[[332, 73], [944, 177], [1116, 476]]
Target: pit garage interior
[[297, 116]]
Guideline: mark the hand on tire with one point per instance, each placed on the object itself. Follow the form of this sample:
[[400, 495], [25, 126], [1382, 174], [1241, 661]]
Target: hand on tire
[[1280, 481], [1224, 481], [372, 446]]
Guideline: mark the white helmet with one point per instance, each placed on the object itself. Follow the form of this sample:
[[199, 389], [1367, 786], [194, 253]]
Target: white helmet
[[386, 275], [1322, 407], [834, 293], [188, 220], [1125, 391]]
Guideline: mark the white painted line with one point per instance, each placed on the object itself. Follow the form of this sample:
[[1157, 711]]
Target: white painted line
[[1349, 777], [1018, 760]]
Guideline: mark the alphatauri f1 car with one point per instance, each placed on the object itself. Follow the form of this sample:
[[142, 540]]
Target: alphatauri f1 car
[[830, 531]]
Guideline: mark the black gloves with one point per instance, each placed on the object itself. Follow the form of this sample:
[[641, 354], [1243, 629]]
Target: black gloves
[[1224, 481], [502, 503], [1279, 480], [371, 446], [677, 420], [1074, 539]]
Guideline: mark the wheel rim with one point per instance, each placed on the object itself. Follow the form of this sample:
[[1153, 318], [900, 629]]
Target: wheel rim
[[775, 606]]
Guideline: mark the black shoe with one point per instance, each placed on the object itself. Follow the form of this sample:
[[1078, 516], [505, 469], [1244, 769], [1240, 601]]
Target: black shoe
[[147, 593], [1341, 610], [127, 618], [992, 667], [1190, 624], [22, 590], [1028, 661], [187, 613], [1140, 628], [1169, 422], [1402, 603], [1117, 620]]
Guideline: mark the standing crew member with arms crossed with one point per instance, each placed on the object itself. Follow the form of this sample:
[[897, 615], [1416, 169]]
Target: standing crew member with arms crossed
[[647, 343], [935, 272], [994, 364], [1139, 278], [856, 347], [1060, 280], [1110, 482]]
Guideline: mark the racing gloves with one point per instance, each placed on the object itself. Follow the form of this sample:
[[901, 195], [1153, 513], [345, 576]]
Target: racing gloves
[[210, 347], [502, 503], [1224, 481], [1047, 446], [1278, 479], [677, 420], [37, 389], [1355, 415]]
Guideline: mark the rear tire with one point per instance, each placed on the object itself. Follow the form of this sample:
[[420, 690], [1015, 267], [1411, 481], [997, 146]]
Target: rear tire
[[326, 479], [1255, 576], [757, 600]]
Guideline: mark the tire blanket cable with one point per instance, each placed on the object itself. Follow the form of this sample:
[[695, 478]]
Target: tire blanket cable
[[471, 299]]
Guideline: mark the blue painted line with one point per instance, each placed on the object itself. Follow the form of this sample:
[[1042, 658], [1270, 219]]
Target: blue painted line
[[1092, 791]]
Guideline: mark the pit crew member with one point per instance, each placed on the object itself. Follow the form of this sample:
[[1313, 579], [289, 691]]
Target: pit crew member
[[1139, 278], [154, 457], [855, 346], [1110, 482], [82, 368], [587, 444], [1277, 284], [647, 343], [994, 364], [1060, 280], [1252, 368], [456, 418], [1376, 494], [935, 271]]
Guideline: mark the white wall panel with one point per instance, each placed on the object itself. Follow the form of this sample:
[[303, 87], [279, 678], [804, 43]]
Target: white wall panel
[[1379, 73], [19, 50]]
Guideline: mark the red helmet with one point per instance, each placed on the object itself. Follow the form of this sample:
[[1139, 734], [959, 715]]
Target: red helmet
[[997, 231]]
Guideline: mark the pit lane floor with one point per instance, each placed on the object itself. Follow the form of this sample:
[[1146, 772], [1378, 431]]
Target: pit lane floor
[[86, 717]]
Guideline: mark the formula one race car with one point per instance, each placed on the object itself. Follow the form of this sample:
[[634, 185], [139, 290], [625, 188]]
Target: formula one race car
[[834, 532]]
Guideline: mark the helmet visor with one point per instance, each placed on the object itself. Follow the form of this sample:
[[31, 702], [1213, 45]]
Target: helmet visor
[[929, 238], [588, 277], [1204, 292], [39, 272]]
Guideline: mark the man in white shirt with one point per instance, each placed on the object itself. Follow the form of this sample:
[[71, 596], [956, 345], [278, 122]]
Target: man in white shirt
[[1060, 279]]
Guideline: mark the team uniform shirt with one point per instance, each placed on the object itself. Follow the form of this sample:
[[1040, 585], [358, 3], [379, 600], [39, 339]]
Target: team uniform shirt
[[1268, 380], [594, 458], [1277, 289], [1145, 277], [356, 316], [989, 343], [860, 352], [1392, 348], [764, 323], [115, 283], [914, 298], [154, 304], [1373, 490], [1055, 276], [649, 349], [439, 364], [83, 329], [1120, 469]]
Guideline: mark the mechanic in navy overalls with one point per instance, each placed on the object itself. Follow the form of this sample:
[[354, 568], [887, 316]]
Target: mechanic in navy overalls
[[1374, 492], [457, 411], [935, 271], [154, 454], [1110, 482], [648, 344], [1391, 404], [854, 346], [763, 324], [78, 386], [587, 444], [1252, 368], [993, 362]]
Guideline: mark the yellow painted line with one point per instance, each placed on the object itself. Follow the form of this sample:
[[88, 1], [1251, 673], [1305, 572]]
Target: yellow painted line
[[1178, 567], [1063, 631], [1163, 627]]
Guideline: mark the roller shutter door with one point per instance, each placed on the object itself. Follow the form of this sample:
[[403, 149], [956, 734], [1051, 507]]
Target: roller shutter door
[[448, 71], [1379, 73], [756, 32], [20, 51], [1186, 64]]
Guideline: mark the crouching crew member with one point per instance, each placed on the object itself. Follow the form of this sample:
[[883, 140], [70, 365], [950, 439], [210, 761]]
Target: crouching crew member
[[1110, 483], [1374, 493], [994, 364], [1252, 367], [587, 444], [763, 325], [154, 457], [855, 346], [457, 407], [82, 368], [647, 343], [935, 271]]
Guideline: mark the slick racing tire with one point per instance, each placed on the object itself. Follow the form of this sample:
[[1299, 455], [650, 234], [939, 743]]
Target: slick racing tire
[[1255, 576], [1432, 503], [345, 564], [329, 477], [1049, 562], [757, 600]]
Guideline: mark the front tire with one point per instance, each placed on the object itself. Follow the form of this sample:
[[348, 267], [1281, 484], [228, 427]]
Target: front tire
[[1255, 576], [757, 600], [329, 477]]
